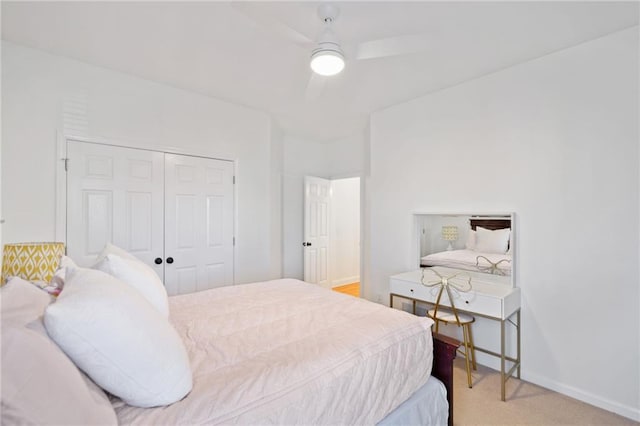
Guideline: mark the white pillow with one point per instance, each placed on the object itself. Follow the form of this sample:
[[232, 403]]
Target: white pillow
[[111, 249], [471, 240], [139, 276], [115, 336], [496, 241]]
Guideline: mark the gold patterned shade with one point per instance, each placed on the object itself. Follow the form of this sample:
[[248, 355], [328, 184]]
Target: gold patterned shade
[[31, 261], [450, 233]]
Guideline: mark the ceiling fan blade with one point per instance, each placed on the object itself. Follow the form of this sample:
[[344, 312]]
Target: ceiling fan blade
[[315, 87], [393, 46], [260, 17]]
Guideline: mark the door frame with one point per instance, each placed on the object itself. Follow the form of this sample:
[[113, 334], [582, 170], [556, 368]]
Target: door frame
[[61, 179]]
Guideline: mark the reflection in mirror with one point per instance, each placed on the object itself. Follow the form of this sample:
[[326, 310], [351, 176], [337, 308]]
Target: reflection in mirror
[[470, 242]]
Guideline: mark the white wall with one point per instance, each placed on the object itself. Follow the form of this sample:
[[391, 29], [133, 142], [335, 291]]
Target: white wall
[[556, 141], [277, 167], [345, 231], [46, 95], [301, 158], [346, 156]]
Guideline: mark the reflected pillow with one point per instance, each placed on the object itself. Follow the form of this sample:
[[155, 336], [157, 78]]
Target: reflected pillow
[[488, 241], [471, 240]]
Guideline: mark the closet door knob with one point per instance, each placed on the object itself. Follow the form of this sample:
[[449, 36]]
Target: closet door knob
[[169, 260], [158, 261]]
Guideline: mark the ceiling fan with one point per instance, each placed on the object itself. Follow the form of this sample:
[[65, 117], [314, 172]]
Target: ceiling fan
[[327, 56]]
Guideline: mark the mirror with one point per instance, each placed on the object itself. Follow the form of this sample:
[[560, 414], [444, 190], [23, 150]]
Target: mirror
[[478, 243]]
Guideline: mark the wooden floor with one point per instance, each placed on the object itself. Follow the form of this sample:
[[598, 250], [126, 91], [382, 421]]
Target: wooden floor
[[352, 289]]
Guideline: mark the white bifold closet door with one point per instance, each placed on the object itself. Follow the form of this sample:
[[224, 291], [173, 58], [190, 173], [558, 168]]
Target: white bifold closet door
[[173, 212], [198, 223]]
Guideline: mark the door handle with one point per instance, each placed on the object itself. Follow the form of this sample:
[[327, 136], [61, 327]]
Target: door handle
[[158, 261], [306, 244], [169, 260]]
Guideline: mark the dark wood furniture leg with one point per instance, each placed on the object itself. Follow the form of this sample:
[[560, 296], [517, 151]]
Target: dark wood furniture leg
[[444, 352]]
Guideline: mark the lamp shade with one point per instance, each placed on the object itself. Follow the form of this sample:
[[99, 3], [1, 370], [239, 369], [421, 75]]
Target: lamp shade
[[31, 261], [450, 233]]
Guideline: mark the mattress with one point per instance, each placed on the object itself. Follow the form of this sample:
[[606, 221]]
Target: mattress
[[470, 260], [288, 352]]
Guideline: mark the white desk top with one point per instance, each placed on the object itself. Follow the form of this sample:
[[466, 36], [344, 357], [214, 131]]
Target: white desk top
[[490, 295], [490, 285]]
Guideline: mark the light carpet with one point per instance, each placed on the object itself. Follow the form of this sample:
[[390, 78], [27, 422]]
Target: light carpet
[[526, 404]]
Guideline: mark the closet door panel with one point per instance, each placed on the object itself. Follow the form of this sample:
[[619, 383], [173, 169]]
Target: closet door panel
[[115, 195], [198, 223]]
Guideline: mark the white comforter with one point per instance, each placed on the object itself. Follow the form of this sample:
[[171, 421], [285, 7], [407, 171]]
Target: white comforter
[[287, 352], [470, 260]]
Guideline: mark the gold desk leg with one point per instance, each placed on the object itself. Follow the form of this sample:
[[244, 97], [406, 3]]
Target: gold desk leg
[[502, 375], [518, 334]]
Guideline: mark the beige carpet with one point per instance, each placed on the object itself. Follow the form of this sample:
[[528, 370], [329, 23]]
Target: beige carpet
[[526, 404]]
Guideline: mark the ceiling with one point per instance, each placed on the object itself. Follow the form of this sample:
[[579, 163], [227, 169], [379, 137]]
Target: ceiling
[[235, 52]]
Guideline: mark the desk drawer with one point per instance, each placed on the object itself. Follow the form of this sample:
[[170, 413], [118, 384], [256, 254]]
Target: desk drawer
[[471, 301]]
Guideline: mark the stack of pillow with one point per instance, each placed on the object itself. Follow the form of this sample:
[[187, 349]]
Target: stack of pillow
[[111, 321], [489, 241]]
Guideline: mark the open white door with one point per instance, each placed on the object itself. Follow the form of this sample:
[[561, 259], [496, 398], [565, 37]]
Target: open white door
[[317, 199]]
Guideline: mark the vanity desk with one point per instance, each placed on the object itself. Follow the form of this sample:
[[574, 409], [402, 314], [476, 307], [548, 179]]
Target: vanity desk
[[491, 297]]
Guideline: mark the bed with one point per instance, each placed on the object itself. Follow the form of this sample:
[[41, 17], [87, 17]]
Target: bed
[[473, 257], [288, 352]]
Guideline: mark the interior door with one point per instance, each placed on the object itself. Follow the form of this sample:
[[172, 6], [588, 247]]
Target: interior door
[[317, 198], [115, 195], [198, 223]]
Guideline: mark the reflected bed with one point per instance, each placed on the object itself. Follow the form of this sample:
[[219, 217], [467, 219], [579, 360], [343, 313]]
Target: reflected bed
[[470, 260], [472, 257]]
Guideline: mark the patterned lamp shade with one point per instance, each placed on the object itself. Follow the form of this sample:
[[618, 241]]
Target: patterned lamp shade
[[31, 261], [450, 233]]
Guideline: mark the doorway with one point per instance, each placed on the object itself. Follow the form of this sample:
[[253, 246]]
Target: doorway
[[332, 232]]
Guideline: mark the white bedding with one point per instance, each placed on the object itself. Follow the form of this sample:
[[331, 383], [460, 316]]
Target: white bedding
[[287, 352], [469, 261], [427, 406]]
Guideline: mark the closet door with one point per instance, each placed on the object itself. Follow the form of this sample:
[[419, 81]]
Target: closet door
[[115, 195], [198, 223]]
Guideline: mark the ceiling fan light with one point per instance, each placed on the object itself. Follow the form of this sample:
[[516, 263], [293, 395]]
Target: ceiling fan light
[[327, 62]]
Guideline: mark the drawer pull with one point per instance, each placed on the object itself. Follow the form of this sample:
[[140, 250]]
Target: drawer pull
[[411, 290], [466, 301]]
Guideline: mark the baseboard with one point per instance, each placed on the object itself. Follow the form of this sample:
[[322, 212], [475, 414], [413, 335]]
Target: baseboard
[[589, 398], [343, 281]]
